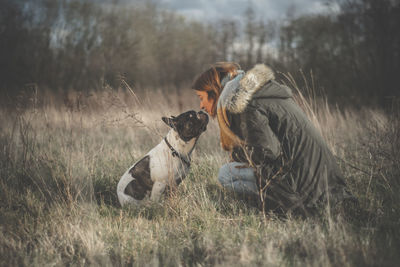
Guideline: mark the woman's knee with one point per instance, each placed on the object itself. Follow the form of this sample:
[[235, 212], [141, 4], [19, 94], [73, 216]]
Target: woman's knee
[[240, 180], [224, 174], [235, 171]]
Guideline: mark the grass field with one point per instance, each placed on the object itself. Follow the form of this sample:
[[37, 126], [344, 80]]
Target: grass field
[[60, 162]]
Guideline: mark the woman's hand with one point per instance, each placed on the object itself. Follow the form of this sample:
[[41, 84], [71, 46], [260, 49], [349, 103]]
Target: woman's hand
[[243, 166]]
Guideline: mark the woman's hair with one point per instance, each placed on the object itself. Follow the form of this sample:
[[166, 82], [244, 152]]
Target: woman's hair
[[210, 80]]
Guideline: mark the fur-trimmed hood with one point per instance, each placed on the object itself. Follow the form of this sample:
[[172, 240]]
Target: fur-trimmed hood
[[238, 92]]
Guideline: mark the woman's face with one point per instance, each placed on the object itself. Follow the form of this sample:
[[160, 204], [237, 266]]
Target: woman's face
[[205, 103]]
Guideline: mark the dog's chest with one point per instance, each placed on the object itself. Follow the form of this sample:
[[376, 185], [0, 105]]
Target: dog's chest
[[164, 167]]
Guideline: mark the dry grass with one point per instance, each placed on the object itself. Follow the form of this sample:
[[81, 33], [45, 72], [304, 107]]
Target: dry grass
[[60, 164]]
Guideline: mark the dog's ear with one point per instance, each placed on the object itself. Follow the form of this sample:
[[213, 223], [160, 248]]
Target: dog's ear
[[169, 121]]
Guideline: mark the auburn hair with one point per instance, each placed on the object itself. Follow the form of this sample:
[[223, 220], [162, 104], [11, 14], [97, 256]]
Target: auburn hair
[[210, 80]]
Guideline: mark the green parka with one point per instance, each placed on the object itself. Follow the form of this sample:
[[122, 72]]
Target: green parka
[[288, 152]]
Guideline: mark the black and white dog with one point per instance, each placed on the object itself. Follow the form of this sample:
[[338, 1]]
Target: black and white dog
[[166, 164]]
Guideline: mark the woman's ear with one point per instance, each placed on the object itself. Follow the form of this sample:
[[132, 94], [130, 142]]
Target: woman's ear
[[169, 121]]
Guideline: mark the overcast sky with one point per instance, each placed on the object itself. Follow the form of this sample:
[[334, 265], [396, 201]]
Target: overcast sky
[[268, 9]]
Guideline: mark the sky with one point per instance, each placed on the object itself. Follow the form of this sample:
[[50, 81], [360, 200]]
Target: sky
[[233, 9]]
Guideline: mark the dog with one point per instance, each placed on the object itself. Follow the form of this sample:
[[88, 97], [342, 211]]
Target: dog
[[166, 164]]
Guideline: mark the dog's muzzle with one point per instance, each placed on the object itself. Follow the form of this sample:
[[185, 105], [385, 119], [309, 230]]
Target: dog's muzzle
[[203, 117]]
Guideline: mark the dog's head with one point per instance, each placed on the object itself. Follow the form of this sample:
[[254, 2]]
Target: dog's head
[[189, 124]]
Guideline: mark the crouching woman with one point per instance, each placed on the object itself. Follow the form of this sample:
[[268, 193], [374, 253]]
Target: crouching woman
[[275, 149]]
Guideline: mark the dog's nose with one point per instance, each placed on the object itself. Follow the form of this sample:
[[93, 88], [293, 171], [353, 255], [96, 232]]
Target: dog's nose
[[201, 115]]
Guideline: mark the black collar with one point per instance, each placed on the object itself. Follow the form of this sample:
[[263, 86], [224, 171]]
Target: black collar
[[176, 154]]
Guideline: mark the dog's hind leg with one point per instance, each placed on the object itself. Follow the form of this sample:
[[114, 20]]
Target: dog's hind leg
[[141, 183]]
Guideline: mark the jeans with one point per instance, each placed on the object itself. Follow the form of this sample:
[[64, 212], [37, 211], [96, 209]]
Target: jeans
[[239, 180]]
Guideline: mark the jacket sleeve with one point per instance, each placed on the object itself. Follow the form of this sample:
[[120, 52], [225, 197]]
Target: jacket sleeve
[[262, 146]]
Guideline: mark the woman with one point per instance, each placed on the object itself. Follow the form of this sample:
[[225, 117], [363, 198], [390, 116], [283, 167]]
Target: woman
[[275, 148]]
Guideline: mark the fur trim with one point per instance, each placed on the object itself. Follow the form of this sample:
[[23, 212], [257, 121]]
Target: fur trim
[[235, 97]]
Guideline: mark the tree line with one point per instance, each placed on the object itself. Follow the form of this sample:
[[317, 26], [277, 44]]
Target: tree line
[[353, 54]]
